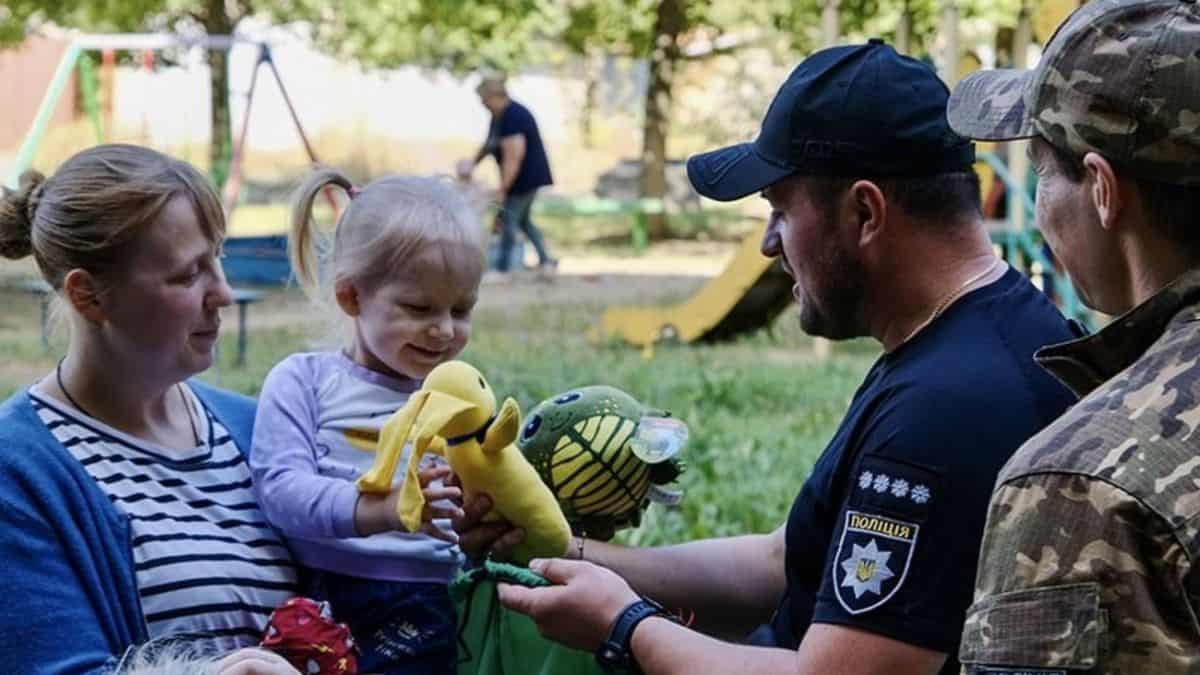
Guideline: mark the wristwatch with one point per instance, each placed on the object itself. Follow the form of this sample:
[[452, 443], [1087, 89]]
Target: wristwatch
[[615, 655]]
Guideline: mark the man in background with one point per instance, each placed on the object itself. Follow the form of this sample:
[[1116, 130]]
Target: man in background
[[514, 140]]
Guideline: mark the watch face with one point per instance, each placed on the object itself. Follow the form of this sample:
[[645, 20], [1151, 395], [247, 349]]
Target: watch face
[[610, 658]]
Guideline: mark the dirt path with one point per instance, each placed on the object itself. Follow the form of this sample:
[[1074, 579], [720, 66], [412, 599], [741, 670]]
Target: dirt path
[[666, 272]]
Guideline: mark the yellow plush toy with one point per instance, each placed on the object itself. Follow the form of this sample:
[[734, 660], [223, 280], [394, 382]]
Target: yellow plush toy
[[454, 415]]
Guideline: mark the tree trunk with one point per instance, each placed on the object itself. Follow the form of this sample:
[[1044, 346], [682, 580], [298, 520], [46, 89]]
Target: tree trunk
[[904, 30], [591, 80], [664, 59], [220, 148]]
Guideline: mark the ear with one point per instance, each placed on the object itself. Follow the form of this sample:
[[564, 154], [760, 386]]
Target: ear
[[870, 211], [346, 294], [505, 427], [83, 292], [1106, 189]]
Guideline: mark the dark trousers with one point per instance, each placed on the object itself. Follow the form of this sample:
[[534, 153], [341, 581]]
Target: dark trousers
[[514, 216], [400, 628]]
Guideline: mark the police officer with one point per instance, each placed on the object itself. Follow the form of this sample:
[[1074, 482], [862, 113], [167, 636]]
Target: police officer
[[1088, 561], [875, 213]]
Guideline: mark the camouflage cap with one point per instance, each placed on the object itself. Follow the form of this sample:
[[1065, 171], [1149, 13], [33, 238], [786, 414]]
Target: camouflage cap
[[1120, 78]]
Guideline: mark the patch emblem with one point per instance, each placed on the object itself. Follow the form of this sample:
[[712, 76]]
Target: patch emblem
[[872, 560]]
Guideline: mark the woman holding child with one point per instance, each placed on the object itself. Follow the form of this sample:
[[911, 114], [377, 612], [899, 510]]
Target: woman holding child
[[140, 533], [126, 507]]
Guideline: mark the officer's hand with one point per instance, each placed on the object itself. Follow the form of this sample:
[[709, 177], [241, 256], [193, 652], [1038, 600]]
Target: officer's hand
[[579, 609]]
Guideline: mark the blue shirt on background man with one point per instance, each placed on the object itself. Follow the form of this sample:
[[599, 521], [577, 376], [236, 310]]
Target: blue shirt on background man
[[515, 120]]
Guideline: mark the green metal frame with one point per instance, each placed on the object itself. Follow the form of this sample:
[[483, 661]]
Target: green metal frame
[[90, 85], [62, 75], [76, 55], [1025, 242], [637, 210]]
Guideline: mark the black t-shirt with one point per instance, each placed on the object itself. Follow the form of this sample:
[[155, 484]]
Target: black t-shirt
[[884, 536], [535, 168]]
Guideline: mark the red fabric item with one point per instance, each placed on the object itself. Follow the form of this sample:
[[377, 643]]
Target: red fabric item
[[303, 632]]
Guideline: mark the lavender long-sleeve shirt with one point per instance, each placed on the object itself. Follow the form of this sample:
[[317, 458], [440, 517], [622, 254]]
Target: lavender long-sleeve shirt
[[319, 416]]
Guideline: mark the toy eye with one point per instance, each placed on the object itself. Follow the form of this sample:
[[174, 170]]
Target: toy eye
[[567, 398], [531, 427], [482, 384]]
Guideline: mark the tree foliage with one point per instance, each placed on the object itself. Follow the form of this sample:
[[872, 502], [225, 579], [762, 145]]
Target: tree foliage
[[214, 17], [466, 35]]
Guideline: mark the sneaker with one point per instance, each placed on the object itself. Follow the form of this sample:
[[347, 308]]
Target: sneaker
[[550, 265], [495, 277]]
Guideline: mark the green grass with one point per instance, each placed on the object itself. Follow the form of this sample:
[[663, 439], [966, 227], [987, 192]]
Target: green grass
[[608, 229], [758, 409]]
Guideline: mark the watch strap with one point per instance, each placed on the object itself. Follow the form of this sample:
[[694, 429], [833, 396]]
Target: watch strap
[[615, 654]]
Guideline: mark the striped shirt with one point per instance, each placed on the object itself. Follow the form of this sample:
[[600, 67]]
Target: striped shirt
[[206, 561]]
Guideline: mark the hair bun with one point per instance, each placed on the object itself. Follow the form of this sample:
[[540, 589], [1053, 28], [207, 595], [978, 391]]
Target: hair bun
[[17, 211]]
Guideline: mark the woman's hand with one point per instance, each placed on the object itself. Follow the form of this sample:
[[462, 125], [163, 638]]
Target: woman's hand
[[480, 540]]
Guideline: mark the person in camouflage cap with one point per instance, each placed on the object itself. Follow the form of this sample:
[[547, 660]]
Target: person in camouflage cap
[[1087, 563]]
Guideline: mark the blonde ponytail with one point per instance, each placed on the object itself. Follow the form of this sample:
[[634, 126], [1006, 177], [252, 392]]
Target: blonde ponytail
[[304, 250]]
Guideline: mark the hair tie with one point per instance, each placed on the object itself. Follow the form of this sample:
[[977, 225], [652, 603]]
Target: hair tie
[[353, 191]]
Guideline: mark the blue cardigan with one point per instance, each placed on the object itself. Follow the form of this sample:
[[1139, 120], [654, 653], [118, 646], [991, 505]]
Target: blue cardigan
[[68, 594]]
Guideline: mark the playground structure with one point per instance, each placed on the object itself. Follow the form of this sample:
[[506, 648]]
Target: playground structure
[[752, 290], [256, 260]]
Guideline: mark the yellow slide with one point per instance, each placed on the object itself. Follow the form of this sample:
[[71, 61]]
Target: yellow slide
[[748, 294]]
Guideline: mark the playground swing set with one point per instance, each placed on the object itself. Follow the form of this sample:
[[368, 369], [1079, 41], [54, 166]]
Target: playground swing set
[[259, 260], [747, 295], [249, 260]]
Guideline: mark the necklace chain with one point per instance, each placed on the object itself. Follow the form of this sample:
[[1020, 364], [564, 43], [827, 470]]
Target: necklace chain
[[71, 399], [950, 298]]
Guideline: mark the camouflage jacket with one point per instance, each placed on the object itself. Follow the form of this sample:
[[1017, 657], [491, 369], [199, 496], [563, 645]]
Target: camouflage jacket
[[1087, 563]]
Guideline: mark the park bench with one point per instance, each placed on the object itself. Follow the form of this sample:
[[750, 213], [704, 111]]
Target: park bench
[[242, 297]]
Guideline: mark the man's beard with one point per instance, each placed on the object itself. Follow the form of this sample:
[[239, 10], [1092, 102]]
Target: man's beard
[[837, 314]]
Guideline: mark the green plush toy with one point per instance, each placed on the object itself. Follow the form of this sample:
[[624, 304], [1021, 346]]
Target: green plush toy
[[604, 455]]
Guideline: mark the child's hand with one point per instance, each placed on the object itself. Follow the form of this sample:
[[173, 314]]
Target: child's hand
[[254, 661], [374, 513], [436, 493]]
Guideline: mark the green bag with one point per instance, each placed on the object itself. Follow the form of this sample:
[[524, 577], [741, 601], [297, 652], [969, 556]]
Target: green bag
[[493, 640]]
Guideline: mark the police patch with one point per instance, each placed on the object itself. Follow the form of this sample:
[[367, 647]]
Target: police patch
[[872, 560]]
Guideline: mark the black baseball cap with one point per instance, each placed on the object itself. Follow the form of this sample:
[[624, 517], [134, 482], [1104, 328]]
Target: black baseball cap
[[855, 111]]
